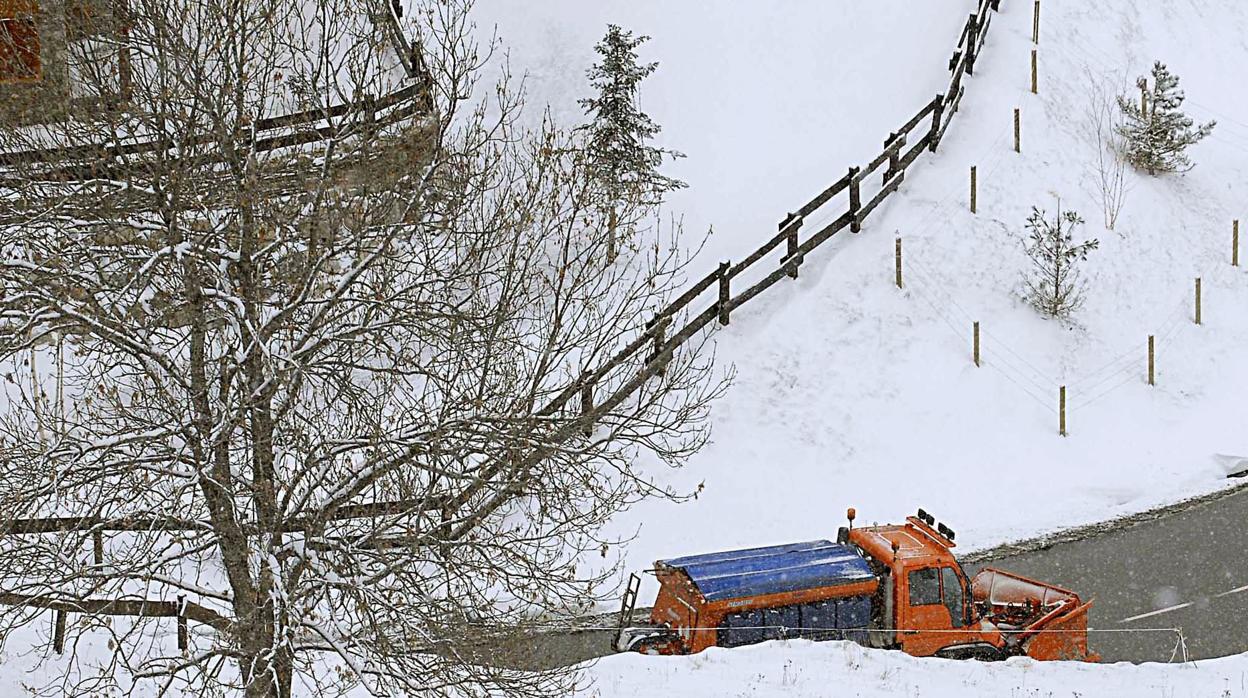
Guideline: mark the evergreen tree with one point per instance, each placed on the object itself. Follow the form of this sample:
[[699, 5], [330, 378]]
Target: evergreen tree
[[1053, 285], [1155, 129], [619, 131]]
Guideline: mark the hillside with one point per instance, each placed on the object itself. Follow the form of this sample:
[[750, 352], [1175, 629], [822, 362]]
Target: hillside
[[850, 392]]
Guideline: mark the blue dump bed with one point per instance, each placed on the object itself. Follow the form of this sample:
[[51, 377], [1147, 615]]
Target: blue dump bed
[[772, 570]]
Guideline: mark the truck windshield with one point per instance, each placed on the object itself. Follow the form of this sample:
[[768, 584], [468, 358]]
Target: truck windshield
[[953, 595]]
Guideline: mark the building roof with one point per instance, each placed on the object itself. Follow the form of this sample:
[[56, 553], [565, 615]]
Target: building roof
[[773, 569]]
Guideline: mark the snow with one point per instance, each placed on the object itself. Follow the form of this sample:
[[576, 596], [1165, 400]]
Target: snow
[[801, 669], [768, 105], [850, 392]]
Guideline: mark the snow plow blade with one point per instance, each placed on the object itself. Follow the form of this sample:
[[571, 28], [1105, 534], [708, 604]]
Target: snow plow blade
[[1042, 621]]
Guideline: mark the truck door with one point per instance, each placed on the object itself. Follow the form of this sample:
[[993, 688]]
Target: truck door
[[935, 605]]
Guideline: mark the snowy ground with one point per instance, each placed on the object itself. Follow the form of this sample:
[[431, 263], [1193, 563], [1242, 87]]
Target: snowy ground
[[800, 669], [769, 103], [852, 393]]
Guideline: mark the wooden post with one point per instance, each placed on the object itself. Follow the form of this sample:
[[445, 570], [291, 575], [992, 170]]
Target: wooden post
[[972, 30], [1198, 300], [587, 406], [1152, 365], [794, 261], [975, 342], [893, 146], [613, 222], [660, 330], [898, 263], [1061, 399], [183, 639], [855, 200], [724, 293], [97, 545], [1035, 83], [370, 114], [58, 633], [1235, 243], [1018, 133], [1035, 24], [937, 112], [973, 188]]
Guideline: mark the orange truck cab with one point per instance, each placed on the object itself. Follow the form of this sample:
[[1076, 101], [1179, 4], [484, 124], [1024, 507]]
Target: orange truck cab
[[893, 587]]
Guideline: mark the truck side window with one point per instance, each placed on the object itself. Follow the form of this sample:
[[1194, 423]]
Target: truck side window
[[925, 587], [954, 595]]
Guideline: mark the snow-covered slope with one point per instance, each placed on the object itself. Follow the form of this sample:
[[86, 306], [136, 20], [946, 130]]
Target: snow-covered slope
[[851, 392], [770, 103], [801, 669]]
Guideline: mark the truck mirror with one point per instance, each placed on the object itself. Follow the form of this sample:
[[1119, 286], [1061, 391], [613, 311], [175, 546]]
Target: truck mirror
[[842, 535]]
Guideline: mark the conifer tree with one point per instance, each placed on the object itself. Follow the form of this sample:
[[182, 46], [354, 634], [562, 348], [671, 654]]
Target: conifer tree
[[619, 132], [1155, 129], [1054, 286]]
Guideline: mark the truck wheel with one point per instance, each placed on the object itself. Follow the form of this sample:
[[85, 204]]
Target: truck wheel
[[980, 652]]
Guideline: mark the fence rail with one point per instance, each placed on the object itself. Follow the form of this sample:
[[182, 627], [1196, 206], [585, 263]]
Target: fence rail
[[902, 148], [89, 161], [918, 134]]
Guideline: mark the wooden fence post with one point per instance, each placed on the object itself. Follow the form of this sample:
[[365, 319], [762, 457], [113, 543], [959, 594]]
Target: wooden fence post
[[1198, 300], [97, 546], [794, 224], [938, 111], [1035, 24], [1018, 133], [1035, 83], [660, 330], [898, 263], [587, 406], [855, 200], [58, 633], [183, 635], [974, 186], [1235, 243], [893, 146], [725, 295], [613, 223], [1061, 399], [975, 343], [972, 30], [1151, 361]]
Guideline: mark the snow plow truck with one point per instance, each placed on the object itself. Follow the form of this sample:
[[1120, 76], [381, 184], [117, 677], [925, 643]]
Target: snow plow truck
[[891, 587]]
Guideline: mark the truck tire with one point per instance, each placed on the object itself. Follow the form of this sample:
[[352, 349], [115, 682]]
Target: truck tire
[[978, 651]]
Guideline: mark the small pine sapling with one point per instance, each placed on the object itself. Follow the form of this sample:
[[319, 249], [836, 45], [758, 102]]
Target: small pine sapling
[[619, 132], [1156, 131], [1053, 283]]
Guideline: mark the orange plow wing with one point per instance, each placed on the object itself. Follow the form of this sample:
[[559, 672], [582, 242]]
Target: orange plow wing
[[1043, 621]]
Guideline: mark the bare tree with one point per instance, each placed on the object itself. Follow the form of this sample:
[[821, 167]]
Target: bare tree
[[324, 389], [1053, 283], [1110, 173]]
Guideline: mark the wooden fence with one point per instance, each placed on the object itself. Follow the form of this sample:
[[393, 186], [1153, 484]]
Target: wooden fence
[[113, 160], [783, 254], [921, 133]]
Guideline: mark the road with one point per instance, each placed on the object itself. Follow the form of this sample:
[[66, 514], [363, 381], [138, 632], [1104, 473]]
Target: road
[[1187, 569], [1182, 567]]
